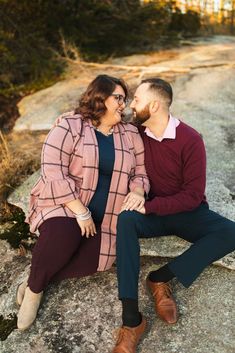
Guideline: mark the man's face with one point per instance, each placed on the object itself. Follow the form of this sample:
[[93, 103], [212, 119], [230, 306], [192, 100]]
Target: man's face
[[140, 104]]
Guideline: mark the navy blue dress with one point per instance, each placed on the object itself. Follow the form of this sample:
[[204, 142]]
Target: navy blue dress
[[106, 162]]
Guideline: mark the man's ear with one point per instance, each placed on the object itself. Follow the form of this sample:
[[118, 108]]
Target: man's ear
[[154, 106]]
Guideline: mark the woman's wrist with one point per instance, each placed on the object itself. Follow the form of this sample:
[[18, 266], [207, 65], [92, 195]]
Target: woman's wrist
[[139, 191], [76, 206], [83, 216]]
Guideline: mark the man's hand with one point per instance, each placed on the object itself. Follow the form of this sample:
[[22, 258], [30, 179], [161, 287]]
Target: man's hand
[[142, 210], [133, 201]]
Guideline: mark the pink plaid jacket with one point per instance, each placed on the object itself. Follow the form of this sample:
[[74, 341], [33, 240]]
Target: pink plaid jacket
[[69, 170]]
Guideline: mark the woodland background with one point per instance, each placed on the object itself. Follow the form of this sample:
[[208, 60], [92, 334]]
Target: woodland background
[[38, 36]]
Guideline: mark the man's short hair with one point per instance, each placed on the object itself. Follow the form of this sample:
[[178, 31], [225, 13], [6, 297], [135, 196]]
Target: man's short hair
[[160, 87]]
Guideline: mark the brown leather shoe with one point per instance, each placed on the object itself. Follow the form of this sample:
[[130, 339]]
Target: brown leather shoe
[[128, 338], [165, 305]]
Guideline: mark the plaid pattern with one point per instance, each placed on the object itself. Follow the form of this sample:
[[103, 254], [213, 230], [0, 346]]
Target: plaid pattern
[[69, 170]]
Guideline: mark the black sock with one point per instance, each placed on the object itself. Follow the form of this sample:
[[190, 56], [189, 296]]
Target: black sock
[[130, 312], [163, 274]]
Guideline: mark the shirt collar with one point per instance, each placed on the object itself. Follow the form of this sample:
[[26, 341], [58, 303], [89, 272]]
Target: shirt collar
[[170, 131]]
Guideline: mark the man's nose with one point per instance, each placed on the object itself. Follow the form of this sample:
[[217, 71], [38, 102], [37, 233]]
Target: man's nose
[[132, 105]]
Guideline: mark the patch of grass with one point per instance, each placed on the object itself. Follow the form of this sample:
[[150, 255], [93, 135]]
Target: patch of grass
[[7, 326], [18, 233], [19, 158]]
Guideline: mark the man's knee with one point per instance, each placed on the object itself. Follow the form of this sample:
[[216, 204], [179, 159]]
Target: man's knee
[[126, 218], [226, 234], [128, 225], [229, 234]]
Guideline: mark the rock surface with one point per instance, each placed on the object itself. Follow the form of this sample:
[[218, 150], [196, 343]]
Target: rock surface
[[74, 317], [40, 110]]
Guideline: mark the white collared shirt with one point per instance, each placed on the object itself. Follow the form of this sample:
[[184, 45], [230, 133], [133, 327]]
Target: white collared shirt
[[170, 131]]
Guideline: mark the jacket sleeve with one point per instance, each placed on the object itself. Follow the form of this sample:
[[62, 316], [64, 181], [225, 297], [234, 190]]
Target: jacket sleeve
[[139, 178], [193, 186], [59, 187]]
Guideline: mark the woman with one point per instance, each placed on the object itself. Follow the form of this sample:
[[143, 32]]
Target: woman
[[90, 161]]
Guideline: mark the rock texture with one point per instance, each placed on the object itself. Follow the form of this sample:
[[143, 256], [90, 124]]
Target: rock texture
[[40, 110], [78, 316]]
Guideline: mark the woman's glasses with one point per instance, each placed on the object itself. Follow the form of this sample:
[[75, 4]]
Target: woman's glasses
[[120, 98]]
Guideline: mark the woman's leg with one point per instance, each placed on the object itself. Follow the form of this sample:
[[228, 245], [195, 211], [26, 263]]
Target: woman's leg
[[85, 260], [59, 240]]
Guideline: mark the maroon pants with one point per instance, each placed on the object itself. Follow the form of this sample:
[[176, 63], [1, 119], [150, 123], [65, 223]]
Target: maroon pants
[[61, 252]]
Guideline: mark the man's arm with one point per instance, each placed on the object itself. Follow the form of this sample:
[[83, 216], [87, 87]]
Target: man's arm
[[193, 186]]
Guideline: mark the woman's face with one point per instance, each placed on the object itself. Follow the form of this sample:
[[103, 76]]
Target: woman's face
[[115, 104]]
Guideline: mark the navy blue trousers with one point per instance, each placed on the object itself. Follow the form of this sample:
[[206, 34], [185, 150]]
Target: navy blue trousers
[[212, 235]]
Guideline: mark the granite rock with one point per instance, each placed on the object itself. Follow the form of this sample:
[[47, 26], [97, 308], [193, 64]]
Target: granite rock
[[74, 318], [71, 320]]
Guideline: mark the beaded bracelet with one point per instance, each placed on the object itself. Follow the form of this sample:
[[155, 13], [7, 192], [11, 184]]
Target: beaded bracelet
[[83, 216]]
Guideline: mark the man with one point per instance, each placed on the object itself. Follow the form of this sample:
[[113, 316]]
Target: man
[[175, 161]]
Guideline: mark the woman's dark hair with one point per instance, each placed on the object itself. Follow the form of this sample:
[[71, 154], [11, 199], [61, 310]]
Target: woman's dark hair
[[91, 104]]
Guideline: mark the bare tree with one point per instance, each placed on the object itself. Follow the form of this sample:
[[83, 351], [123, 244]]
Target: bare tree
[[232, 16]]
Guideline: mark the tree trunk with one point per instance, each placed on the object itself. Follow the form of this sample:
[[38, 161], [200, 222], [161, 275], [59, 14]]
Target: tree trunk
[[232, 17]]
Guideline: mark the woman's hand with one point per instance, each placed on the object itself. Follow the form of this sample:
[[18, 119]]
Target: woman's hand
[[133, 201], [87, 227]]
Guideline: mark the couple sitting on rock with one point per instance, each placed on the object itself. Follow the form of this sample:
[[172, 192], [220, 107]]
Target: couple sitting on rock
[[104, 184]]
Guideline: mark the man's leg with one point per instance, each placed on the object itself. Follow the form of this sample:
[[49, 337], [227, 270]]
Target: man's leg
[[130, 226], [212, 235]]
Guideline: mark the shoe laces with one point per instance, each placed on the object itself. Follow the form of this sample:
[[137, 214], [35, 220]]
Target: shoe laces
[[124, 334], [164, 289]]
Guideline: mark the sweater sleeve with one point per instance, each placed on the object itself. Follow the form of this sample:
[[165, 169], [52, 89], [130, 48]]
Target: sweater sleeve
[[59, 187], [139, 179], [193, 182]]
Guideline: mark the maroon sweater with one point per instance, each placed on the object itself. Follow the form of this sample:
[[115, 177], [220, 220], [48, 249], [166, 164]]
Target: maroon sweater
[[177, 171]]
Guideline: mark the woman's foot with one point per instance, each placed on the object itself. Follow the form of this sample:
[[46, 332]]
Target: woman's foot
[[20, 292], [28, 310]]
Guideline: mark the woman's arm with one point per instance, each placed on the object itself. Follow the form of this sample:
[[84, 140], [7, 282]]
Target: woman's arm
[[60, 188], [87, 226]]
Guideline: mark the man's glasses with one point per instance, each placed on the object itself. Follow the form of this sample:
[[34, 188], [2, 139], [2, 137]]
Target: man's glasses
[[119, 98]]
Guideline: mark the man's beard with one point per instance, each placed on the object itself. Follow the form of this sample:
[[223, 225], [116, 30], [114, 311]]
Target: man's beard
[[140, 117]]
